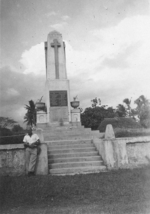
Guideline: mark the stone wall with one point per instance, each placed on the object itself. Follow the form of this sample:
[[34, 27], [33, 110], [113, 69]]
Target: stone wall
[[138, 153], [124, 152], [12, 158]]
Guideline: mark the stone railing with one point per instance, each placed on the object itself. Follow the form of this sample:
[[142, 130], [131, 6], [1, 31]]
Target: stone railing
[[12, 158], [123, 152]]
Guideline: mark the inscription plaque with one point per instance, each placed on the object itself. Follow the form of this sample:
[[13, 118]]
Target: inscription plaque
[[58, 98]]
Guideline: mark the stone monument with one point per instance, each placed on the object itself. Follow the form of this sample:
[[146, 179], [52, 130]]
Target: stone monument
[[75, 112], [41, 112], [57, 84]]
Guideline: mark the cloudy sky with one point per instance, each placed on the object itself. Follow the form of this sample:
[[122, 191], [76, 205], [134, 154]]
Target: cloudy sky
[[107, 50]]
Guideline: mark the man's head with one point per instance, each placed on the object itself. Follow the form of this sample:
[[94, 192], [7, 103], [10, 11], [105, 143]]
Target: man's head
[[29, 131]]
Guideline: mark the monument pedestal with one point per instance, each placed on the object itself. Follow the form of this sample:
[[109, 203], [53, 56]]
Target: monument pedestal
[[57, 99], [41, 117], [75, 117]]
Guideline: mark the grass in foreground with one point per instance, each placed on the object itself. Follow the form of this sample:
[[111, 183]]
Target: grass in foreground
[[116, 192]]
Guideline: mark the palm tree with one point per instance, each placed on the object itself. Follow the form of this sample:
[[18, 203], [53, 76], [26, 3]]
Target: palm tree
[[30, 116]]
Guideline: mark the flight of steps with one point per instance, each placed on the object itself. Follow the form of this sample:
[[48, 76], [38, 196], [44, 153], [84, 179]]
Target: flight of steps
[[69, 132], [73, 156]]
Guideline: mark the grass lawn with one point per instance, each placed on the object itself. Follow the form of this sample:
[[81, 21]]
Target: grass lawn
[[115, 192]]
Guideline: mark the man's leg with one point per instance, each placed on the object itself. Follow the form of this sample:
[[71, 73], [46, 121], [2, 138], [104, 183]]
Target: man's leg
[[33, 159], [27, 159]]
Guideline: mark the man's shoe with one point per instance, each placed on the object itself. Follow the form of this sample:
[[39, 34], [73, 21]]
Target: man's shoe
[[31, 174]]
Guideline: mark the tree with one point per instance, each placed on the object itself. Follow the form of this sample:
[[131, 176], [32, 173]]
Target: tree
[[143, 110], [128, 104], [6, 122], [30, 116], [92, 117], [125, 110], [121, 111], [17, 129], [96, 101]]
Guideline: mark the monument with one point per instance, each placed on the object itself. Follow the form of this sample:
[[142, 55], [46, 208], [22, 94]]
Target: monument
[[57, 84]]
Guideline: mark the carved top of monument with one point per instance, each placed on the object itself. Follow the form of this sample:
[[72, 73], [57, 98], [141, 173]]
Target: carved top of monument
[[55, 56], [54, 35]]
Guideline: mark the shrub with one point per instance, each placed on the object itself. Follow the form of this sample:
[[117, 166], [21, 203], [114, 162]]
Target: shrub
[[11, 140], [119, 122], [5, 132], [127, 133], [7, 137]]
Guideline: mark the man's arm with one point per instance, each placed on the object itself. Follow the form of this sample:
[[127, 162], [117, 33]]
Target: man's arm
[[26, 144], [36, 143]]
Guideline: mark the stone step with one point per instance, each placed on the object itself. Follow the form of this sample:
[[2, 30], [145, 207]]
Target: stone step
[[80, 130], [67, 146], [67, 132], [72, 155], [95, 132], [77, 170], [75, 159], [69, 142], [72, 150], [76, 164], [65, 126], [70, 131], [75, 137], [59, 128], [71, 136]]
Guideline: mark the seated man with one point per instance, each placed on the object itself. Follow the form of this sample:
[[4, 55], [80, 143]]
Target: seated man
[[31, 142]]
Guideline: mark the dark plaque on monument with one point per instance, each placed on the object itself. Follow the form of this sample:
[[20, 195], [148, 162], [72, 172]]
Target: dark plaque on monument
[[58, 98]]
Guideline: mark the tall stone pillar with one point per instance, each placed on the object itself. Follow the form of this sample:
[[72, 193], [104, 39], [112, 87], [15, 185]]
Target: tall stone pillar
[[57, 84]]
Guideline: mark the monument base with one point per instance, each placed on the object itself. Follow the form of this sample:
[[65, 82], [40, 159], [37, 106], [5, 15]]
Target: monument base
[[41, 117], [58, 99], [75, 117], [59, 115]]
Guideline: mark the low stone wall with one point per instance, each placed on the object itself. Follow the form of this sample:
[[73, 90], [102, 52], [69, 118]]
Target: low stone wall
[[124, 152], [138, 153], [12, 159]]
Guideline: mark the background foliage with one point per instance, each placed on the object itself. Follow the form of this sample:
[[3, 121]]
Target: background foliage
[[138, 117]]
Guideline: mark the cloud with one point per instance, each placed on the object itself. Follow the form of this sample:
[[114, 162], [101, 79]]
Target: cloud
[[115, 59], [65, 18], [129, 31], [120, 59], [12, 92], [52, 13], [33, 59], [59, 26], [113, 63], [17, 90]]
